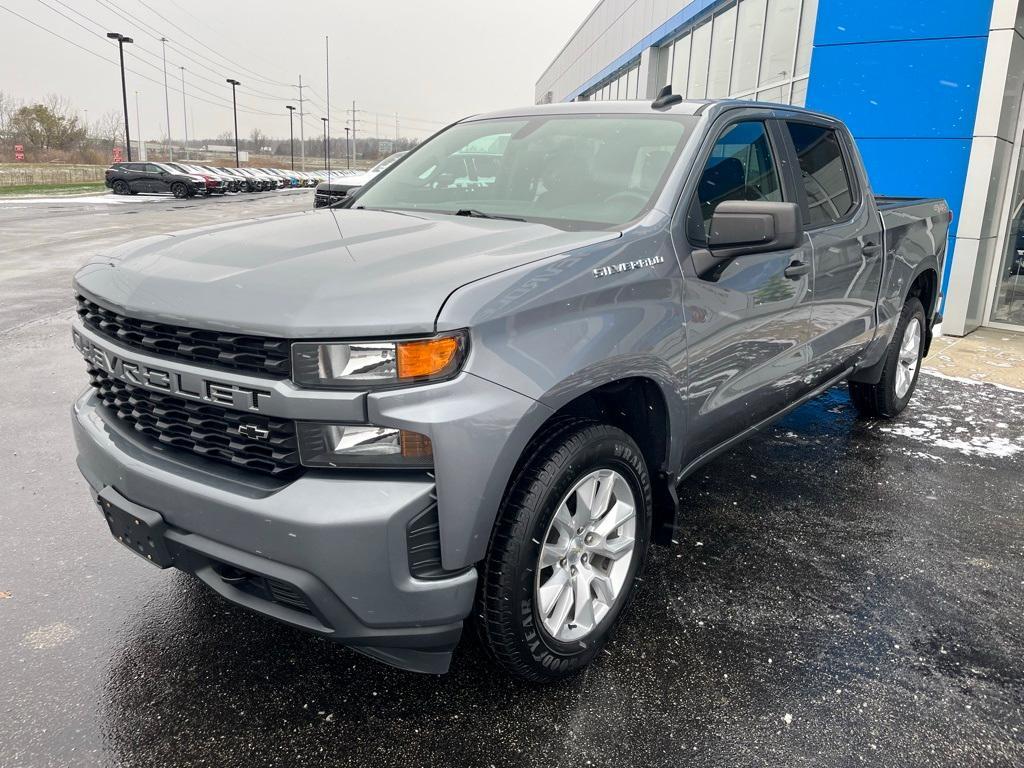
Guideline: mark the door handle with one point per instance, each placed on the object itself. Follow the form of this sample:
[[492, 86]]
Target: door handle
[[870, 250], [797, 269]]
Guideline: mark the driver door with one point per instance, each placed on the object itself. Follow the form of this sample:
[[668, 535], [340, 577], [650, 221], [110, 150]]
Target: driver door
[[748, 329]]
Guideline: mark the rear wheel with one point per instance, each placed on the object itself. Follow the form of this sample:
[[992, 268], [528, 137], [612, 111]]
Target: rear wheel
[[570, 540], [179, 190], [893, 391], [120, 187]]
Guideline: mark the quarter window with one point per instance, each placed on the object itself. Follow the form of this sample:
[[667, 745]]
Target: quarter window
[[826, 176], [741, 167]]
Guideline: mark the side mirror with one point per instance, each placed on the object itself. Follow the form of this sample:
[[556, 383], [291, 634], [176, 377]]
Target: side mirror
[[740, 227]]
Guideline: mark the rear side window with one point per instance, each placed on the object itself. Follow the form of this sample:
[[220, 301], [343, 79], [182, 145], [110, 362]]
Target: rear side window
[[826, 177], [741, 167]]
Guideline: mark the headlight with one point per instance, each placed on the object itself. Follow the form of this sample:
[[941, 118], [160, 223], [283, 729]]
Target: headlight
[[362, 445], [359, 364]]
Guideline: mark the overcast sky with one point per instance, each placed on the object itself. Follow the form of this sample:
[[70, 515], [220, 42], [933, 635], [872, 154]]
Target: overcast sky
[[429, 60]]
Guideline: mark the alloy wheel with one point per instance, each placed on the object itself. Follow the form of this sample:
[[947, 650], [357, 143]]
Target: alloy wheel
[[585, 555], [909, 357]]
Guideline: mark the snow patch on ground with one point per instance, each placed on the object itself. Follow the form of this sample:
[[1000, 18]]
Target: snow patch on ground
[[995, 446], [964, 380]]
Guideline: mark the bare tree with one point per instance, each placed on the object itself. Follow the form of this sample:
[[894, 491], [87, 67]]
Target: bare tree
[[109, 129], [8, 106]]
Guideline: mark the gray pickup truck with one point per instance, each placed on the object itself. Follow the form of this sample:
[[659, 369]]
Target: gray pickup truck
[[475, 398]]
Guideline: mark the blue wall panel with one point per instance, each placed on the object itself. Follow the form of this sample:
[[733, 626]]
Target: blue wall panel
[[859, 21], [896, 167], [919, 88], [905, 76]]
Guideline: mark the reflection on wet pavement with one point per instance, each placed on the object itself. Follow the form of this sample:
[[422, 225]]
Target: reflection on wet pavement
[[841, 592]]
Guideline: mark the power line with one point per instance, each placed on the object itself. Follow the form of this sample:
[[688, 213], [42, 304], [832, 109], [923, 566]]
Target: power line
[[140, 48], [104, 58], [252, 73]]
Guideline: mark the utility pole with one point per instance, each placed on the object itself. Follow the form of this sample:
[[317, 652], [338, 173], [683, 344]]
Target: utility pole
[[327, 120], [302, 127], [355, 151], [327, 166], [348, 149], [167, 103], [291, 132], [138, 129], [184, 111], [234, 108], [121, 40]]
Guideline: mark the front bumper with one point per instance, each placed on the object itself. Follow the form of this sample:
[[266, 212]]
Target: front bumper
[[338, 542]]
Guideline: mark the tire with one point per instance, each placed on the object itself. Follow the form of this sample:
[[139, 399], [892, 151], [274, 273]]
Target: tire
[[179, 190], [120, 187], [523, 615], [902, 367]]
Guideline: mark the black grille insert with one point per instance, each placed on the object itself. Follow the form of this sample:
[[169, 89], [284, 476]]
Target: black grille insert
[[238, 352], [203, 428]]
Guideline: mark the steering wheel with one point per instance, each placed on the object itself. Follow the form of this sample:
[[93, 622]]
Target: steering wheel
[[628, 195]]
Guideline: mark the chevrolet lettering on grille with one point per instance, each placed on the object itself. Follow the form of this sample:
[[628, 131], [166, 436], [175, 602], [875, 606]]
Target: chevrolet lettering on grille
[[187, 385]]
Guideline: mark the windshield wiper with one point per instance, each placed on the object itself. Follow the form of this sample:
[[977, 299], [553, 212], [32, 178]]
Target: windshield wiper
[[474, 213]]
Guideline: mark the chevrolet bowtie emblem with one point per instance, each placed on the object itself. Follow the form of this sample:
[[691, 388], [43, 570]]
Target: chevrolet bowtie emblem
[[253, 432]]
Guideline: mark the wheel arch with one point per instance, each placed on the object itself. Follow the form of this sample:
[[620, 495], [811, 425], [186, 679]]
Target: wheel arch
[[647, 407]]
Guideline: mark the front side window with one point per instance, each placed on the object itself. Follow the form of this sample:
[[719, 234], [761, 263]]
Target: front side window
[[570, 171], [741, 167], [826, 178]]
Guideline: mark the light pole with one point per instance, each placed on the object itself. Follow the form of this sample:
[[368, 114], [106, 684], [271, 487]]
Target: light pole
[[184, 111], [348, 150], [138, 129], [121, 40], [234, 108], [326, 166], [167, 103], [291, 133]]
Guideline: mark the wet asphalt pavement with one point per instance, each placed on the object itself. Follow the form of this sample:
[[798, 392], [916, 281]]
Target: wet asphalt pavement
[[842, 593]]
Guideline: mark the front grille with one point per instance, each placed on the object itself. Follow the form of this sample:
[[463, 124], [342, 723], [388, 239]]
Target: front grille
[[238, 352], [201, 428]]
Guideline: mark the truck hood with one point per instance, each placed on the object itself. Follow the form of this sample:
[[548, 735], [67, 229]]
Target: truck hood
[[317, 273]]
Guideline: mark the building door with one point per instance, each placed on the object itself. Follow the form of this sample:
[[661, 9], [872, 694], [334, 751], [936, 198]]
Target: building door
[[1007, 299]]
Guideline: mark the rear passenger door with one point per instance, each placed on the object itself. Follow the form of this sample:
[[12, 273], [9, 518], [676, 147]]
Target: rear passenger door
[[846, 237], [748, 322], [156, 179], [135, 175]]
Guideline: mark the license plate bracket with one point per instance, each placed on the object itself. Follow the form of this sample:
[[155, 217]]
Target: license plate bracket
[[139, 529]]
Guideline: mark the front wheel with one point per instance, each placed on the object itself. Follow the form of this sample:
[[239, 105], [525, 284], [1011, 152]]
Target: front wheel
[[903, 356], [570, 540], [179, 190]]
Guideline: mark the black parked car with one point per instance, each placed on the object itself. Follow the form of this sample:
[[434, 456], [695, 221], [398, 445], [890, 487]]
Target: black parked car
[[132, 178]]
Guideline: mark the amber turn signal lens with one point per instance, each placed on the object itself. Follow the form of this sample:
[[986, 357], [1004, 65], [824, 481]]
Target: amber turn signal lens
[[426, 358], [416, 446]]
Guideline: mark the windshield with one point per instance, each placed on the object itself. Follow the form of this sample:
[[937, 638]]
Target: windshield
[[573, 171], [387, 162]]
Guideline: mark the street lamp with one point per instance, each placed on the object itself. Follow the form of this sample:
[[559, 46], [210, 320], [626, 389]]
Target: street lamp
[[326, 166], [121, 40], [234, 108], [291, 133], [184, 111], [348, 149]]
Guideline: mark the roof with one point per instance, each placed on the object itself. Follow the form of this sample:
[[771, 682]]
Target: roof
[[634, 107]]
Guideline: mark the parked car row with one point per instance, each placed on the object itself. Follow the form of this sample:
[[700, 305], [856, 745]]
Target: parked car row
[[341, 184], [189, 179]]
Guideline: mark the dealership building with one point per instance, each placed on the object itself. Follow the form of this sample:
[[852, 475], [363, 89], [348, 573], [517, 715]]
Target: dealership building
[[931, 89]]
